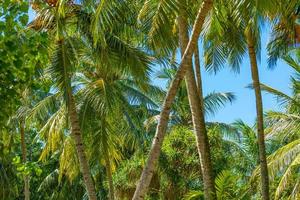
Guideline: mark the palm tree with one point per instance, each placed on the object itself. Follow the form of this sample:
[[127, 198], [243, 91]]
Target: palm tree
[[22, 122], [22, 119], [158, 31], [196, 104], [62, 68], [65, 57], [197, 69], [284, 127], [19, 122], [112, 95], [50, 115], [260, 122], [162, 125], [242, 19], [117, 53], [61, 71]]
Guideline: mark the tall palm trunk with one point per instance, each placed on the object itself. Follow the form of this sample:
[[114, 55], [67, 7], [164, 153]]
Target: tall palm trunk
[[260, 123], [149, 168], [65, 59], [198, 70], [76, 134], [24, 159], [109, 176], [197, 111]]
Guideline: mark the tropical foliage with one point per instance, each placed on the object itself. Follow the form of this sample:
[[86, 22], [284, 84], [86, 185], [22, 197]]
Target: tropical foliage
[[105, 100]]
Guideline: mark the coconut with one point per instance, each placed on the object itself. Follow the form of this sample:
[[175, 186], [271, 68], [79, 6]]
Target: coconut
[[51, 2]]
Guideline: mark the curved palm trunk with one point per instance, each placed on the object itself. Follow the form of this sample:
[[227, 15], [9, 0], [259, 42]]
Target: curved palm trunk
[[196, 106], [149, 168], [260, 123], [24, 159], [76, 135], [109, 176], [198, 70]]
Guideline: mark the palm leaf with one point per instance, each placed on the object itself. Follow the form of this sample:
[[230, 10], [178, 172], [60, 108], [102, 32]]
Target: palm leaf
[[158, 19], [287, 177], [213, 101]]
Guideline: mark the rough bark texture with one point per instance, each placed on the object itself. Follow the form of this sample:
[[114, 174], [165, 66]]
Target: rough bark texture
[[198, 71], [109, 177], [197, 111], [260, 121], [147, 173], [76, 135], [24, 159]]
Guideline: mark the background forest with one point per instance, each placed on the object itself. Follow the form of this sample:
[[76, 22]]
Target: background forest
[[104, 100]]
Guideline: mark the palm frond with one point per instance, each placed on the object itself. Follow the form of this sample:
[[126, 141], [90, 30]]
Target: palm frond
[[68, 161], [62, 66], [50, 181], [158, 20], [287, 177], [292, 62], [296, 191], [44, 107], [107, 15], [53, 132], [281, 123], [224, 184], [283, 157], [213, 101], [282, 98], [193, 195]]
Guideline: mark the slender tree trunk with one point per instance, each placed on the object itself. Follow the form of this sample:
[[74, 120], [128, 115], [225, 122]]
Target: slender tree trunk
[[149, 168], [198, 71], [197, 111], [260, 121], [198, 80], [24, 159], [109, 177], [76, 135]]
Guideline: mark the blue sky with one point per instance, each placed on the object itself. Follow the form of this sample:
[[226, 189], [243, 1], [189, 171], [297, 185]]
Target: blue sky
[[244, 106], [226, 81]]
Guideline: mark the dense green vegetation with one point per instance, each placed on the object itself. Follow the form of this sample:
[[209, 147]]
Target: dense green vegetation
[[82, 118]]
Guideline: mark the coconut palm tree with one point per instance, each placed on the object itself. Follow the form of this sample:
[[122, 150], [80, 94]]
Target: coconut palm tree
[[60, 18], [284, 127], [61, 71], [107, 93], [54, 19], [115, 94], [22, 122], [106, 102], [147, 173], [195, 95], [242, 20], [104, 89], [178, 17]]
